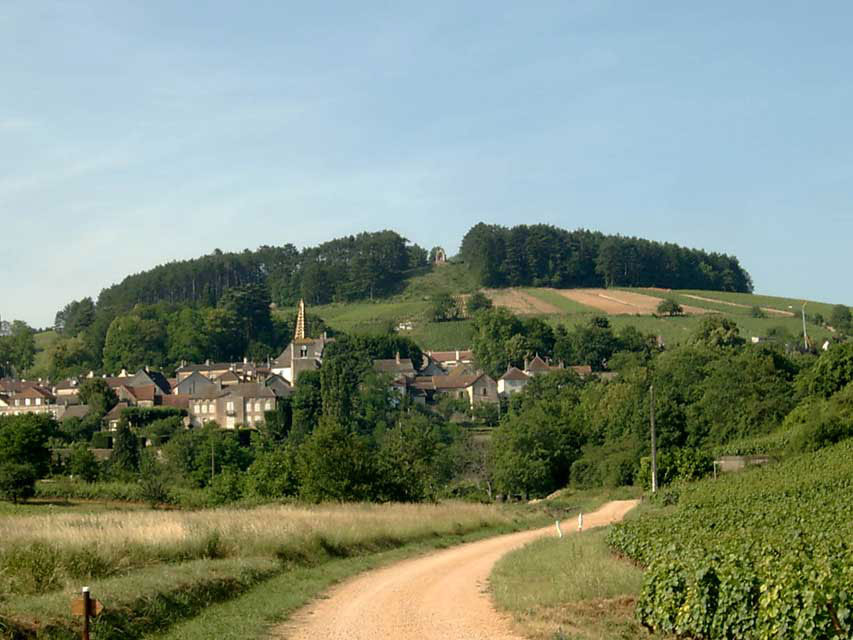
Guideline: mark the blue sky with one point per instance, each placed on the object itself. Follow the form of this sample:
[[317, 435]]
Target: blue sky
[[132, 134]]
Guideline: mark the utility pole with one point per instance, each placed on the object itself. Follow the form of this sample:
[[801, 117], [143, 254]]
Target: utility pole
[[654, 439], [212, 458], [805, 337]]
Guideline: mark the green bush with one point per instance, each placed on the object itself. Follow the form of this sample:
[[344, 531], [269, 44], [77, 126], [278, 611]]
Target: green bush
[[17, 481]]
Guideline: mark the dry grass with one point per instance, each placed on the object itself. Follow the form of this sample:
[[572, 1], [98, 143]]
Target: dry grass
[[40, 553]]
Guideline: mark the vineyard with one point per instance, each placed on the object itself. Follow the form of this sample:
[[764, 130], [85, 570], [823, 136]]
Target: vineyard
[[765, 554]]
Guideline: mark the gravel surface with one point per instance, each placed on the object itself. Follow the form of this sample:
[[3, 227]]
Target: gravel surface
[[440, 596]]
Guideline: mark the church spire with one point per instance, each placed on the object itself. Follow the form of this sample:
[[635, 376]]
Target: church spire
[[300, 322]]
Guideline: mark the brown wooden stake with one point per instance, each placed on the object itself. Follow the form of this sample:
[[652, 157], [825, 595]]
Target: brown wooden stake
[[86, 609]]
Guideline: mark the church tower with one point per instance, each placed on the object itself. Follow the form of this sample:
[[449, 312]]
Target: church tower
[[300, 322]]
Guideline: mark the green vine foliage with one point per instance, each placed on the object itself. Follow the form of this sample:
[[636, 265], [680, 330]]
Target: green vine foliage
[[764, 554]]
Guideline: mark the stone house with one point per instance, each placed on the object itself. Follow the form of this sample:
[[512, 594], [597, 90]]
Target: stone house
[[239, 405]]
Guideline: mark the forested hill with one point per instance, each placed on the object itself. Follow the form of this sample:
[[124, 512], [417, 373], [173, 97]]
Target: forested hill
[[354, 267], [373, 265], [545, 256]]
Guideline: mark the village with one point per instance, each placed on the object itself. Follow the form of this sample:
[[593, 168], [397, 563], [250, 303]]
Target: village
[[237, 395]]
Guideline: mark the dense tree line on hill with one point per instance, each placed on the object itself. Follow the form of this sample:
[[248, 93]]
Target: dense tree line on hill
[[217, 306], [545, 256], [350, 268]]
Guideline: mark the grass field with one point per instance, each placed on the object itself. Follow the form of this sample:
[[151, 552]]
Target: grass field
[[154, 568], [572, 587], [413, 302]]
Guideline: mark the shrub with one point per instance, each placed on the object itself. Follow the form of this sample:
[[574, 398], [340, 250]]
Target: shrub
[[17, 481], [82, 463]]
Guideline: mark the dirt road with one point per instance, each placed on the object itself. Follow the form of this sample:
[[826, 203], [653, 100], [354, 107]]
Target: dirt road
[[441, 596]]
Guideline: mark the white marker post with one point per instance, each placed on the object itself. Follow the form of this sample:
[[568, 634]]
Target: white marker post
[[580, 521], [559, 531]]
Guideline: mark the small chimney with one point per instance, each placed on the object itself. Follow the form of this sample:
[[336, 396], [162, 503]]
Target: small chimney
[[525, 363], [207, 362], [457, 355], [398, 357], [245, 360], [147, 370]]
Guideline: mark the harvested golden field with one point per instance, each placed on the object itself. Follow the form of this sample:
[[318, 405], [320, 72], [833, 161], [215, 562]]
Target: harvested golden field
[[617, 302], [521, 302]]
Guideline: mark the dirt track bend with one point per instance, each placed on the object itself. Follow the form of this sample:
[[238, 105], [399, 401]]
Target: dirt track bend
[[440, 596]]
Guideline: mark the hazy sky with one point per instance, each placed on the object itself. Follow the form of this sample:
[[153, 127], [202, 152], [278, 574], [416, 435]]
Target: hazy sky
[[132, 134]]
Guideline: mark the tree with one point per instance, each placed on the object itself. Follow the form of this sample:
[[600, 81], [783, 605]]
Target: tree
[[492, 331], [443, 308], [187, 337], [82, 463], [20, 346], [335, 464], [840, 318], [134, 341], [250, 304], [96, 393], [75, 317], [832, 372], [718, 332], [17, 481], [670, 307], [273, 474], [125, 457], [24, 439], [478, 302], [307, 404]]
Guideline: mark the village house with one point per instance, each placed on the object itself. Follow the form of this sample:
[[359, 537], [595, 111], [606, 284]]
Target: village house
[[194, 384], [31, 399], [240, 405], [513, 381]]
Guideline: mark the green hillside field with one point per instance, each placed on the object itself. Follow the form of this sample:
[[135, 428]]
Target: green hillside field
[[412, 304]]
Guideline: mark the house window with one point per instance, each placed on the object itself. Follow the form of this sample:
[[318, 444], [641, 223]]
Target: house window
[[210, 408], [17, 403], [229, 406], [303, 352], [485, 392], [258, 405], [27, 401], [268, 405], [38, 401], [461, 394]]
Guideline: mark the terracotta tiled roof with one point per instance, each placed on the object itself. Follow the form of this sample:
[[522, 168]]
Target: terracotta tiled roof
[[454, 382], [391, 365], [250, 390], [514, 373], [538, 365], [582, 370], [76, 411]]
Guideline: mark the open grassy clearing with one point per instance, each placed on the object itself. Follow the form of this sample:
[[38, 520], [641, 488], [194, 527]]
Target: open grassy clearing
[[572, 587], [750, 299], [152, 568]]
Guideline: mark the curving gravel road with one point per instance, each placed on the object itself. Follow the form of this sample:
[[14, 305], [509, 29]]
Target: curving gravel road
[[440, 596]]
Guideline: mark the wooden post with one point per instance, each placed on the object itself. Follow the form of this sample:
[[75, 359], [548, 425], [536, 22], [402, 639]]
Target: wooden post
[[86, 610], [654, 439]]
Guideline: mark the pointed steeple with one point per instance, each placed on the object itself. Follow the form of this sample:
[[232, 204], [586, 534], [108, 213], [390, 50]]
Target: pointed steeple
[[300, 322]]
